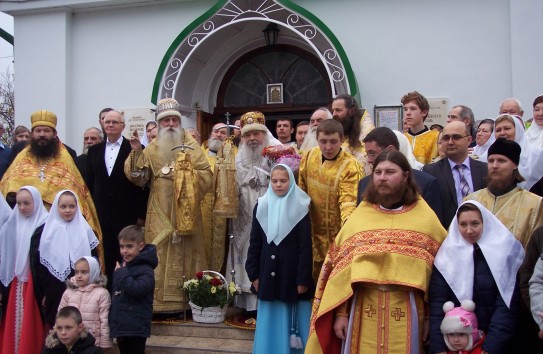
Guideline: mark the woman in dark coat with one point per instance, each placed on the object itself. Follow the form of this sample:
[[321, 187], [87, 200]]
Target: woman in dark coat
[[478, 261]]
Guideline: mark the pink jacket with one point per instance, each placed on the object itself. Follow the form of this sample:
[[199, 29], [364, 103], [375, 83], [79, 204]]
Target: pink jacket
[[93, 301]]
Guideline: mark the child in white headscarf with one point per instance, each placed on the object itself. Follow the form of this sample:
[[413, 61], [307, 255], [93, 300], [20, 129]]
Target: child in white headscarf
[[86, 291], [66, 237], [24, 322], [279, 265]]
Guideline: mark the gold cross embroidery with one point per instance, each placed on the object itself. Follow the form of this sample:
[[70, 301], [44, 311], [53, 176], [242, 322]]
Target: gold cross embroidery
[[397, 314], [370, 311]]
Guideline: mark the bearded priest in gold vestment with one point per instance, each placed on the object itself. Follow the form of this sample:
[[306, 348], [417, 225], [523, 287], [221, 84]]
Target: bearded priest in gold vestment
[[178, 180], [330, 177], [47, 165], [372, 290]]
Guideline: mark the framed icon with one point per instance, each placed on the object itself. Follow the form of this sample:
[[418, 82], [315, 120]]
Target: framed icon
[[388, 116], [274, 93]]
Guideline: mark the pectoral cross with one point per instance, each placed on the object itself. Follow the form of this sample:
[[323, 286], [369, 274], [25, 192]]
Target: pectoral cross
[[397, 314]]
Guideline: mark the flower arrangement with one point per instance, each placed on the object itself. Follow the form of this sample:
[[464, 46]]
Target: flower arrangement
[[210, 291], [282, 154]]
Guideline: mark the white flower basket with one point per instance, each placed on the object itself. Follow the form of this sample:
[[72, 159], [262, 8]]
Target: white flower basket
[[211, 314], [207, 314]]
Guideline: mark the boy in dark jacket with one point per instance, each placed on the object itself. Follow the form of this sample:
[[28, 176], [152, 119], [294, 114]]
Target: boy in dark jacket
[[133, 290], [70, 335]]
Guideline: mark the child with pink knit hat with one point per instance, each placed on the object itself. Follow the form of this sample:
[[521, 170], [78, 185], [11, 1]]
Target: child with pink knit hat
[[459, 328]]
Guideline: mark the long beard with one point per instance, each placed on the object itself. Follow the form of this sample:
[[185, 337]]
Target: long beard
[[251, 154], [347, 124], [166, 139], [310, 139], [214, 144], [50, 149]]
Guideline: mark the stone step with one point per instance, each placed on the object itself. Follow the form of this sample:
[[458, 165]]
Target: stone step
[[189, 337], [193, 329]]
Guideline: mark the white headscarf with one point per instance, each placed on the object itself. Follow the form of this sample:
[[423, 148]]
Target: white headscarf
[[5, 210], [531, 157], [502, 251], [94, 268], [407, 151], [279, 215], [144, 140], [63, 243], [534, 135], [482, 150], [15, 237]]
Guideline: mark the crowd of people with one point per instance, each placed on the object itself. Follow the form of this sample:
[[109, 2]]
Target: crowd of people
[[348, 238]]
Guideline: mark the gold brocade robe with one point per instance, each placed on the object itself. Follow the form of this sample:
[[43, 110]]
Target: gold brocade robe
[[519, 210], [332, 186], [380, 263], [213, 227], [178, 255], [424, 145], [366, 126], [60, 173]]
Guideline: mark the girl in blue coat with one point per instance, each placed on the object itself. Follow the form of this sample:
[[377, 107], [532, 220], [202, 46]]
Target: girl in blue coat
[[279, 265], [478, 261]]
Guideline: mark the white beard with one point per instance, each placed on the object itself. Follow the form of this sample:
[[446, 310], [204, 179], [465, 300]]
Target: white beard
[[310, 140], [250, 155], [166, 139], [214, 144]]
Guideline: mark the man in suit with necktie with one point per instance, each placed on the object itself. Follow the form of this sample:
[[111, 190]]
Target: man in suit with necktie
[[118, 201], [457, 174]]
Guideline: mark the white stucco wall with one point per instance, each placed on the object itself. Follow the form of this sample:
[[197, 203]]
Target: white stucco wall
[[474, 52]]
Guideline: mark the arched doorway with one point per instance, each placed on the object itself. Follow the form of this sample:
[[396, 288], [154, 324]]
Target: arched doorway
[[196, 64]]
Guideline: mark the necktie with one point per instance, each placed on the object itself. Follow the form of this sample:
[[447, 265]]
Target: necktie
[[464, 186]]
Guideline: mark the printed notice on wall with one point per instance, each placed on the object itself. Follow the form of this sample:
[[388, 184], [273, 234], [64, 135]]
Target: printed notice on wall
[[389, 118], [439, 108], [135, 119]]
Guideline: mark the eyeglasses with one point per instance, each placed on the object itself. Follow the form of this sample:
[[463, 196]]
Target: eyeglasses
[[454, 137], [113, 122]]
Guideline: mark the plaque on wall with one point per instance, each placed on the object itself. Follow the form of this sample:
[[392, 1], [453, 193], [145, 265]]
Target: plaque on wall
[[388, 116], [438, 111], [135, 119], [275, 93]]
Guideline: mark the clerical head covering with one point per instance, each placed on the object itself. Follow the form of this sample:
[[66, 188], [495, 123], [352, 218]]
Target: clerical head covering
[[64, 242], [43, 118], [502, 251], [94, 268], [507, 148], [167, 107], [252, 121], [279, 215], [15, 238]]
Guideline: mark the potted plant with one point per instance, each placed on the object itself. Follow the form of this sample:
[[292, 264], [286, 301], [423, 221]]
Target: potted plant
[[208, 294]]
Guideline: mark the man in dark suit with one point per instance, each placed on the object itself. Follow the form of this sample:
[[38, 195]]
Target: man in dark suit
[[91, 136], [119, 202], [383, 138], [458, 174]]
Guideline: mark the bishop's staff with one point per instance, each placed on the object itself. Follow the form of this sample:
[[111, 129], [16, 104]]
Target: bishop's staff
[[226, 187]]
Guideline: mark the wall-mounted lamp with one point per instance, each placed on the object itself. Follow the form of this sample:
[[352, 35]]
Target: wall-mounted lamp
[[270, 34]]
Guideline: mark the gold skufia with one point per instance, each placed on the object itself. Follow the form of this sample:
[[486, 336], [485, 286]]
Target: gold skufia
[[43, 118], [252, 117], [184, 194], [225, 185]]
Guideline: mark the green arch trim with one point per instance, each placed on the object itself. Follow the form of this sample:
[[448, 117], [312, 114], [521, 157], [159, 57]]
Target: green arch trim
[[353, 86], [7, 36]]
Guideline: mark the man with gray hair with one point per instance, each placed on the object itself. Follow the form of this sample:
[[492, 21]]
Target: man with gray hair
[[91, 136], [310, 139], [179, 176], [511, 106], [464, 114]]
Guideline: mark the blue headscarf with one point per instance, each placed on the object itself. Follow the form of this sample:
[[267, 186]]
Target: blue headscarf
[[279, 215]]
